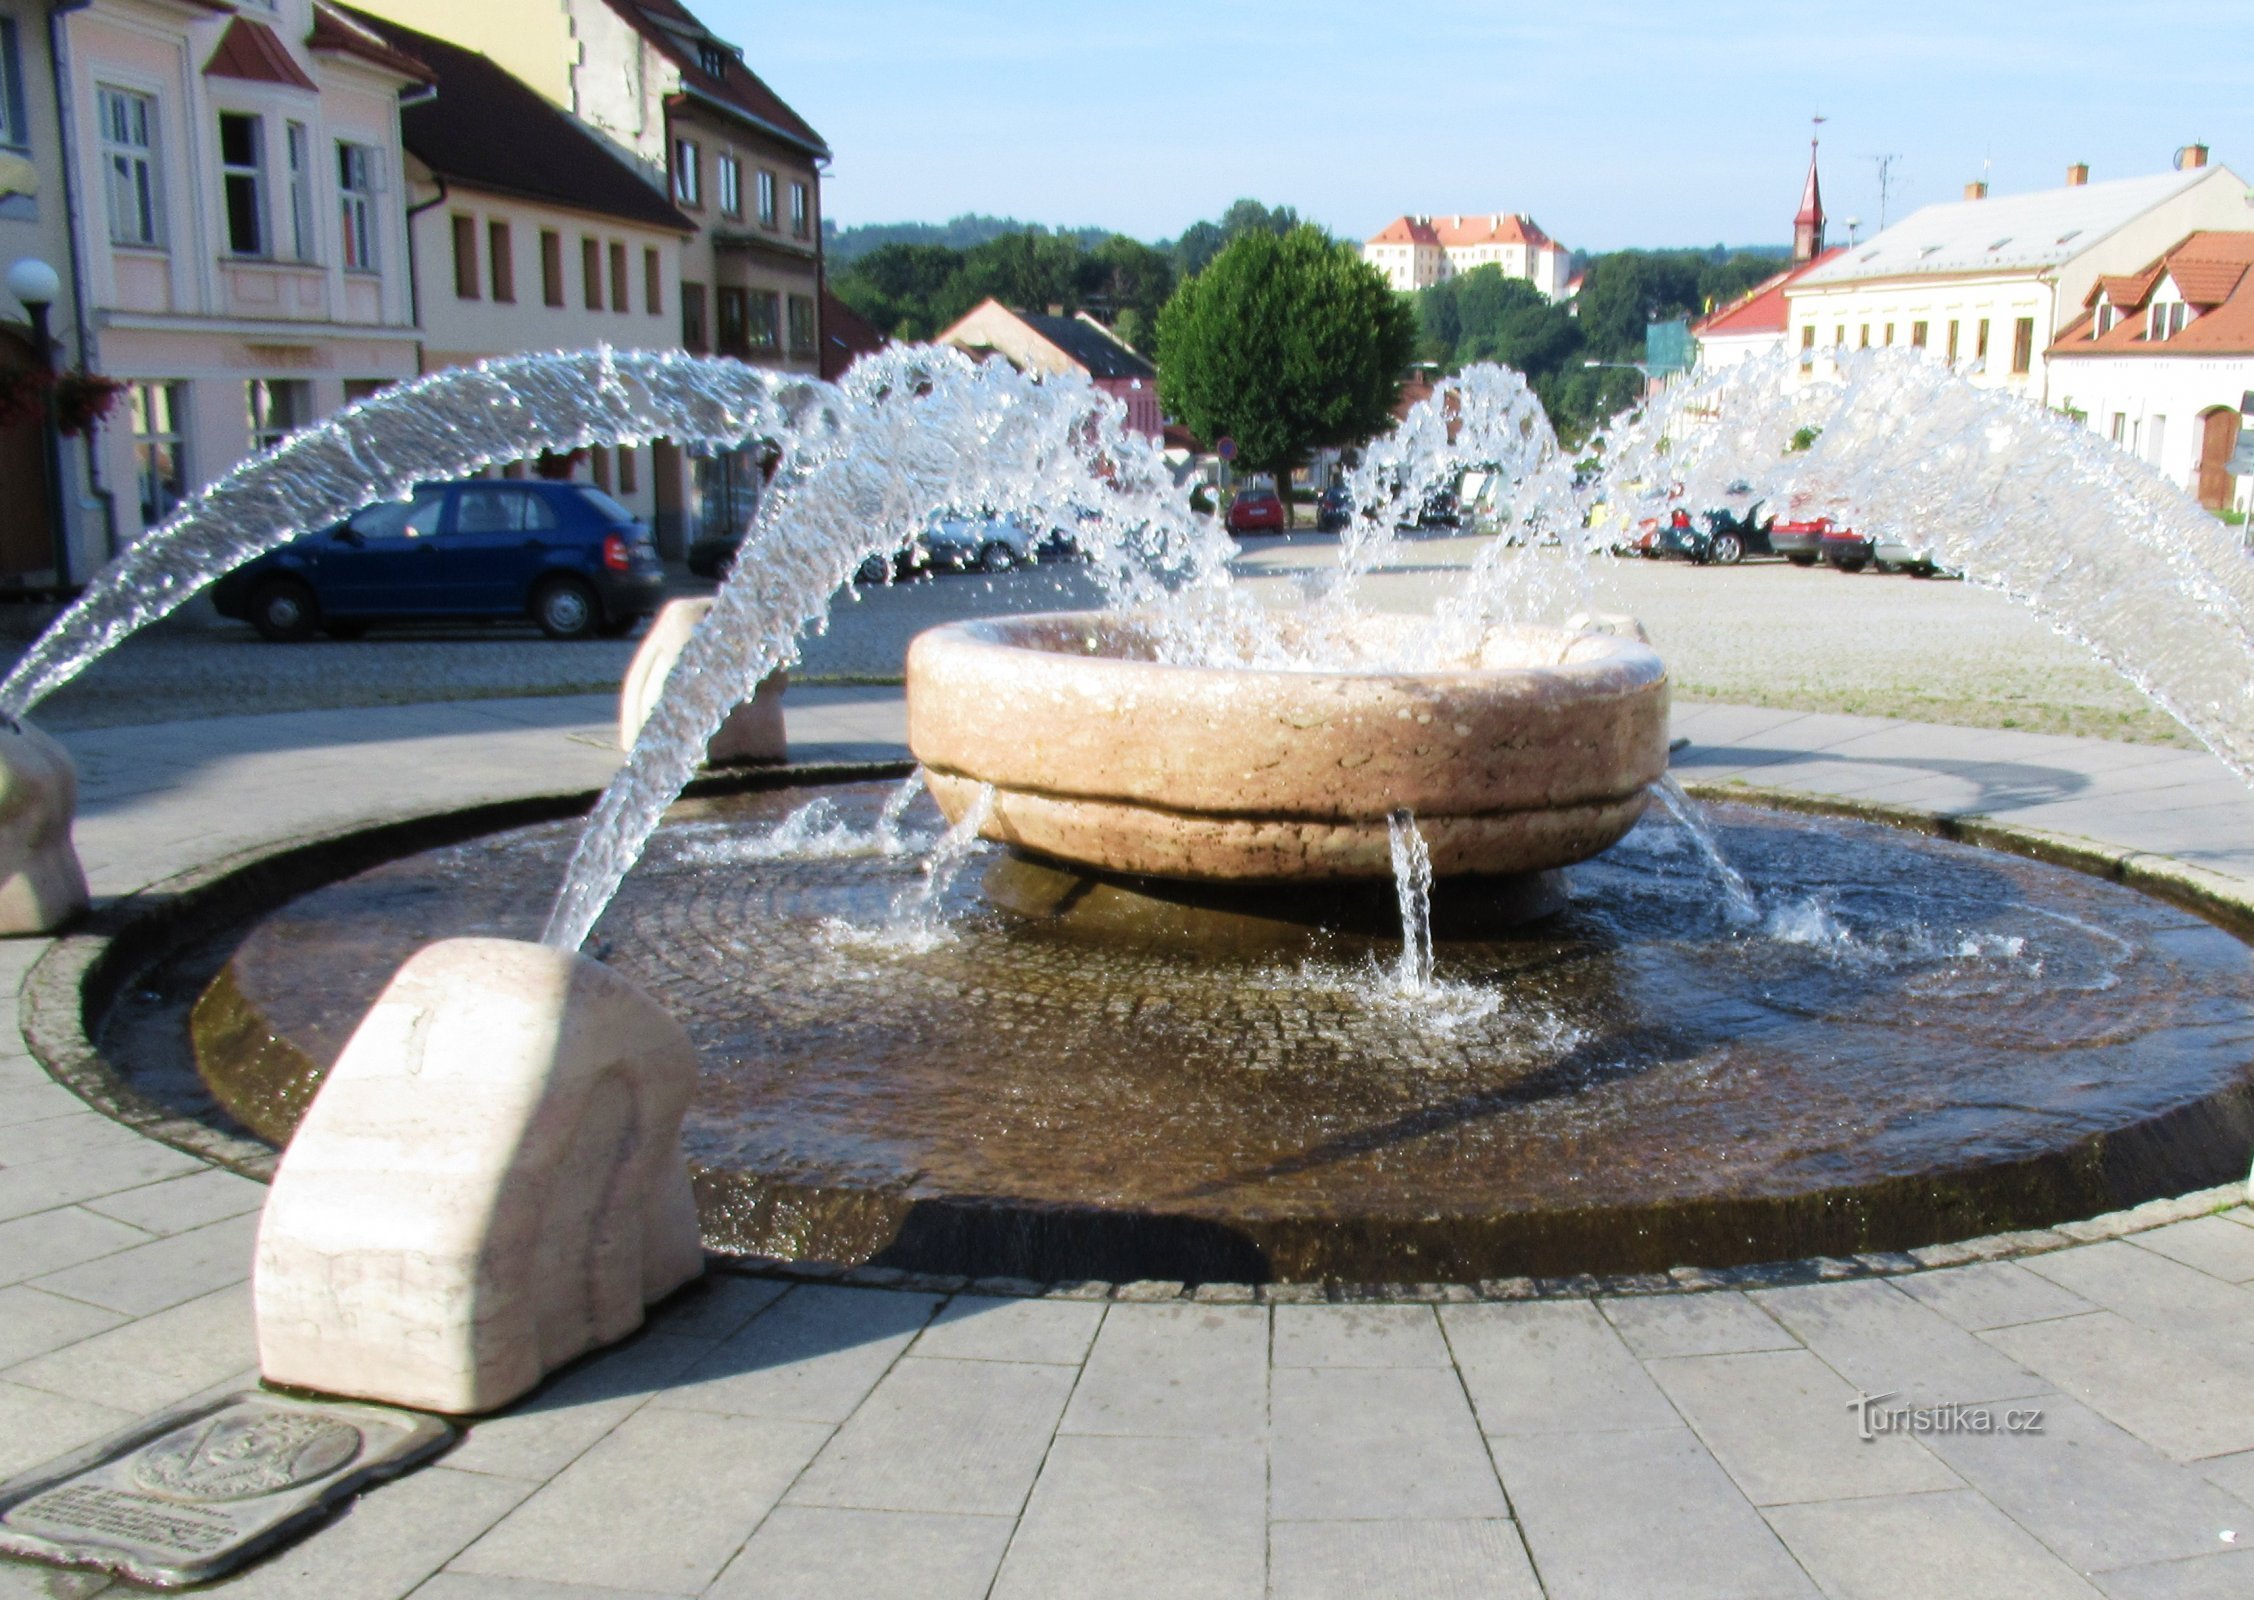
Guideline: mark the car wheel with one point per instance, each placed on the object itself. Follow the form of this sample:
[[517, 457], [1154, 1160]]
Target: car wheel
[[1727, 550], [285, 611], [995, 556], [1801, 561], [345, 631], [566, 608], [1850, 563]]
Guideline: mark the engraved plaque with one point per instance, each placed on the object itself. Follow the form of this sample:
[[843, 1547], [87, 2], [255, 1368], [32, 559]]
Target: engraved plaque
[[194, 1493]]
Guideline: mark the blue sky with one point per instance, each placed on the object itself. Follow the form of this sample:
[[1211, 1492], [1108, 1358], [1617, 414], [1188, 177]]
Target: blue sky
[[1612, 122]]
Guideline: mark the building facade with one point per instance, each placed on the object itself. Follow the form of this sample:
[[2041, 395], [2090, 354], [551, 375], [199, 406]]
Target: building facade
[[1416, 252], [2161, 361], [1987, 283], [242, 243], [1033, 342], [35, 226]]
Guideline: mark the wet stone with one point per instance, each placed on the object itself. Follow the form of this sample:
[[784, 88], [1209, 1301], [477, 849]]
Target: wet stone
[[198, 1491]]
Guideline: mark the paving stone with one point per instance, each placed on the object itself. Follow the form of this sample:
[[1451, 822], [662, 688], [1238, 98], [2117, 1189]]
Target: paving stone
[[1184, 1370], [1882, 1341], [178, 1204], [122, 1160], [2155, 1292], [1614, 1514], [25, 1103], [949, 1436], [810, 1357], [2161, 1388], [80, 1131], [982, 1328], [2228, 1576], [1780, 1422], [715, 1306], [1943, 1546], [1128, 1518], [2234, 1473], [33, 1323], [1358, 1336], [822, 1553], [165, 1272], [2217, 1247], [661, 1502], [154, 1362], [36, 1426], [1714, 1324], [1418, 1560], [387, 1543], [549, 1429], [1992, 1294], [51, 1240], [2096, 1495], [1383, 1442], [471, 1586], [1544, 1366]]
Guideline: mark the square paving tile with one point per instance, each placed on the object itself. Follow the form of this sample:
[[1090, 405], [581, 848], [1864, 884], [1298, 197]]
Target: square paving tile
[[178, 1204], [153, 1362], [2227, 1576], [1722, 1322], [991, 1328], [821, 1553], [1358, 1336], [1416, 1560], [2215, 1245], [1186, 1370], [1549, 1366], [1991, 1294], [49, 1241], [553, 1426], [33, 1323], [2161, 1388], [1377, 1442], [1884, 1342], [810, 1357], [164, 1272], [1115, 1518], [1945, 1546]]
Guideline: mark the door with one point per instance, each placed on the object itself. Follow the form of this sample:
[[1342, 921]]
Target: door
[[494, 546], [372, 566], [2216, 443], [26, 544]]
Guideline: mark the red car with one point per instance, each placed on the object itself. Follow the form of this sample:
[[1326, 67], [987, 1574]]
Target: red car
[[1801, 541], [1257, 511], [1845, 549]]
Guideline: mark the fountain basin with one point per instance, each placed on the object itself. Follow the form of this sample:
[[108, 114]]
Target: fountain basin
[[1533, 752]]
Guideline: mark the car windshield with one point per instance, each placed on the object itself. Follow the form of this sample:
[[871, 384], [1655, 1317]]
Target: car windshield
[[610, 509], [414, 518]]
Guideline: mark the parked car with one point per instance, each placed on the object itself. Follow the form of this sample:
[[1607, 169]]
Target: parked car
[[1801, 540], [1845, 550], [1892, 555], [1258, 510], [1440, 510], [1334, 510], [1729, 537], [987, 544], [565, 555]]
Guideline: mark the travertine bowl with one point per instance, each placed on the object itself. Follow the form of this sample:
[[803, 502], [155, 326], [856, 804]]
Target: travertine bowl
[[1531, 754]]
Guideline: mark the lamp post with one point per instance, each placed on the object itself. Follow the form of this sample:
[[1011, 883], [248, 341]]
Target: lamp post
[[37, 285]]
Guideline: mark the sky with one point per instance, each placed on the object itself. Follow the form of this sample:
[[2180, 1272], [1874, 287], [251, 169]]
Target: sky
[[1612, 123]]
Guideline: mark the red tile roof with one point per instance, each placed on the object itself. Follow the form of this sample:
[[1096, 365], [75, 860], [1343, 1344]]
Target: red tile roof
[[1455, 233], [675, 30], [335, 32], [2209, 269], [252, 51], [1763, 309]]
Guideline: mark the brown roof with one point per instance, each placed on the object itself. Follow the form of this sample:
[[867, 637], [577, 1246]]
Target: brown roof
[[253, 51], [2209, 270], [1811, 197], [846, 336], [1763, 309], [1458, 231], [353, 36], [487, 130], [675, 30]]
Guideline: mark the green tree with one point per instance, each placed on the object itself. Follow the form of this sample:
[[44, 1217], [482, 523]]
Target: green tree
[[1284, 344], [1128, 282], [1202, 241], [895, 286]]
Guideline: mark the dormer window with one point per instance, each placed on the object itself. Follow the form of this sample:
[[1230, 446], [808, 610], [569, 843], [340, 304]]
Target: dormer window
[[2167, 320], [713, 58], [2106, 317]]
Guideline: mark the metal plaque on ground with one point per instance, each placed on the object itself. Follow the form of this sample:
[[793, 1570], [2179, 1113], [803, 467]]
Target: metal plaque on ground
[[196, 1492]]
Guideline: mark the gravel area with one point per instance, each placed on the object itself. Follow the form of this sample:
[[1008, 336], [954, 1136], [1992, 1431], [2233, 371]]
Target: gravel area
[[1762, 634]]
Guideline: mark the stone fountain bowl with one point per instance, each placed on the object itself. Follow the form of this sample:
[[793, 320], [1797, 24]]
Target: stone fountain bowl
[[1533, 753]]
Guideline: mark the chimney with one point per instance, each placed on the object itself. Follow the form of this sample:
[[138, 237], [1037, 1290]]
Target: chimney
[[2077, 175], [2190, 156], [1977, 190]]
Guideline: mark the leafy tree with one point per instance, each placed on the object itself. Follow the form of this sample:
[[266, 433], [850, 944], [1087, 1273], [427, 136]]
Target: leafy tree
[[895, 286], [1284, 344], [1129, 281], [1202, 241]]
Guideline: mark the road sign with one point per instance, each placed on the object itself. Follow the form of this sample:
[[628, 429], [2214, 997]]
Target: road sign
[[1226, 449]]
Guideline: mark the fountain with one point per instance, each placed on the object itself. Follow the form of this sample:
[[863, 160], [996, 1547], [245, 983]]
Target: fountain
[[1251, 942]]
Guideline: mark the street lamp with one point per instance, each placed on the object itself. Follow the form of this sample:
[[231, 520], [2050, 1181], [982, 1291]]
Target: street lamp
[[38, 285]]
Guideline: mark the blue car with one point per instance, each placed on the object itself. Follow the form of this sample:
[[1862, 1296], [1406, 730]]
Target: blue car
[[565, 555]]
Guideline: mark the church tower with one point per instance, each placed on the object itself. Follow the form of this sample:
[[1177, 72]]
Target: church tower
[[1808, 226]]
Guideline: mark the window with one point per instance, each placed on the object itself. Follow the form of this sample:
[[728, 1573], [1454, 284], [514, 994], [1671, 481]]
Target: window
[[713, 58], [591, 273], [401, 519], [1917, 336], [242, 177], [1953, 341], [1808, 337], [298, 145], [598, 461], [653, 283], [2023, 345], [465, 258], [799, 214], [499, 510], [731, 186], [801, 325], [15, 121], [276, 408], [2167, 320], [2157, 442], [1839, 336], [1865, 342], [629, 469], [766, 198], [1980, 341], [551, 267], [730, 333], [692, 318], [160, 447], [618, 297], [501, 262], [688, 187], [129, 147], [2120, 427], [766, 327], [1889, 333], [2105, 320], [357, 175]]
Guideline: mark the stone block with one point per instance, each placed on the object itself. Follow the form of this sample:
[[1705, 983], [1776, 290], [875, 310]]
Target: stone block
[[42, 885], [753, 731], [488, 1184]]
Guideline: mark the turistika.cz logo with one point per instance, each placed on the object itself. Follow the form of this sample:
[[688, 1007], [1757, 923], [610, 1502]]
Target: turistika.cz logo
[[1874, 1418]]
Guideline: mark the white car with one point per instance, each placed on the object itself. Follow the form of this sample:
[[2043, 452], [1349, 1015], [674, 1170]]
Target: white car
[[1892, 555]]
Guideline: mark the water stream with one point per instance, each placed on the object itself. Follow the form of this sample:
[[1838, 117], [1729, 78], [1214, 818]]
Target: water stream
[[1739, 902], [1412, 883]]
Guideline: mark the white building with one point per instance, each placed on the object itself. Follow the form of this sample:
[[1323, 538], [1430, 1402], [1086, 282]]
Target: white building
[[1417, 252], [1987, 283], [2161, 360], [241, 237]]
